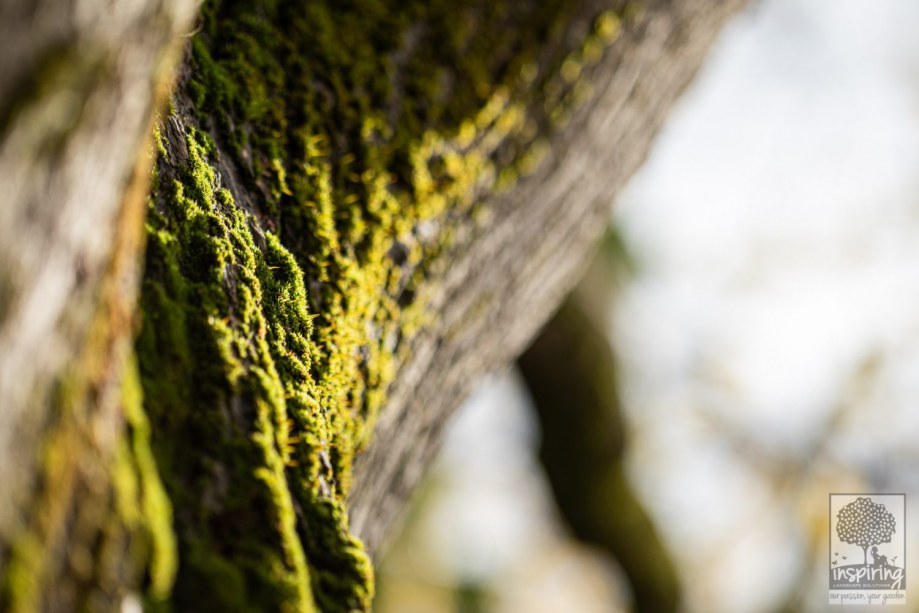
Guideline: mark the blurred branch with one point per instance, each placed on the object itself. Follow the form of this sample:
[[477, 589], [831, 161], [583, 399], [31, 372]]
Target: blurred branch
[[569, 370]]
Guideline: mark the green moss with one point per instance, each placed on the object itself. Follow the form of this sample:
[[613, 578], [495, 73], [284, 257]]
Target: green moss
[[270, 324], [226, 418], [102, 521], [143, 484]]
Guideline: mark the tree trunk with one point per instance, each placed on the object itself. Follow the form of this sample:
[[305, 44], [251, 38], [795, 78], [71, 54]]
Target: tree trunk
[[502, 283], [357, 209]]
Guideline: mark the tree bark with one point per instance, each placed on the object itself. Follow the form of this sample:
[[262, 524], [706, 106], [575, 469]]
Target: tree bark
[[503, 283], [357, 209]]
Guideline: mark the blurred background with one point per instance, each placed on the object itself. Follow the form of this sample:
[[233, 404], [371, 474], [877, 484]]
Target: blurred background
[[760, 290]]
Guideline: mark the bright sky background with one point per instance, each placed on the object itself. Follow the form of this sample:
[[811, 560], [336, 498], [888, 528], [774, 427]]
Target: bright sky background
[[776, 228]]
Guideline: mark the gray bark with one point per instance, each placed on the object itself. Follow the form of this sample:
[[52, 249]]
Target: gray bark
[[501, 284]]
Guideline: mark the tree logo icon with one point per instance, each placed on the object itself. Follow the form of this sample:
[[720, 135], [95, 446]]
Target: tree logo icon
[[867, 549], [865, 523]]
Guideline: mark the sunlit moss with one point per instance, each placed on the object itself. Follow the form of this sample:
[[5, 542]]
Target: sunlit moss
[[270, 323]]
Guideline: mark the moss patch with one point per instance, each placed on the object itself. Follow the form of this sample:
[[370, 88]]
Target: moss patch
[[358, 132]]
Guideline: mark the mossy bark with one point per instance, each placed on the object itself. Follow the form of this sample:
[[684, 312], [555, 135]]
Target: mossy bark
[[501, 280], [357, 209]]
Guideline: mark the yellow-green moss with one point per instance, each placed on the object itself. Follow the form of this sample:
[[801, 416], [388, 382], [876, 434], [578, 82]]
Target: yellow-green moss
[[101, 523], [143, 484], [270, 324]]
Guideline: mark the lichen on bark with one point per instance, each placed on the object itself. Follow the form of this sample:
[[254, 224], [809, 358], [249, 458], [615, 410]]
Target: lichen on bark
[[315, 158]]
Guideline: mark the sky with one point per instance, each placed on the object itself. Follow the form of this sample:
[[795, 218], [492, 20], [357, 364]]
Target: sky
[[776, 227]]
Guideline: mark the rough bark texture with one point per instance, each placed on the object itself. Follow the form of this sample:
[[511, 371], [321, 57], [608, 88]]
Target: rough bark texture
[[358, 209], [504, 280]]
